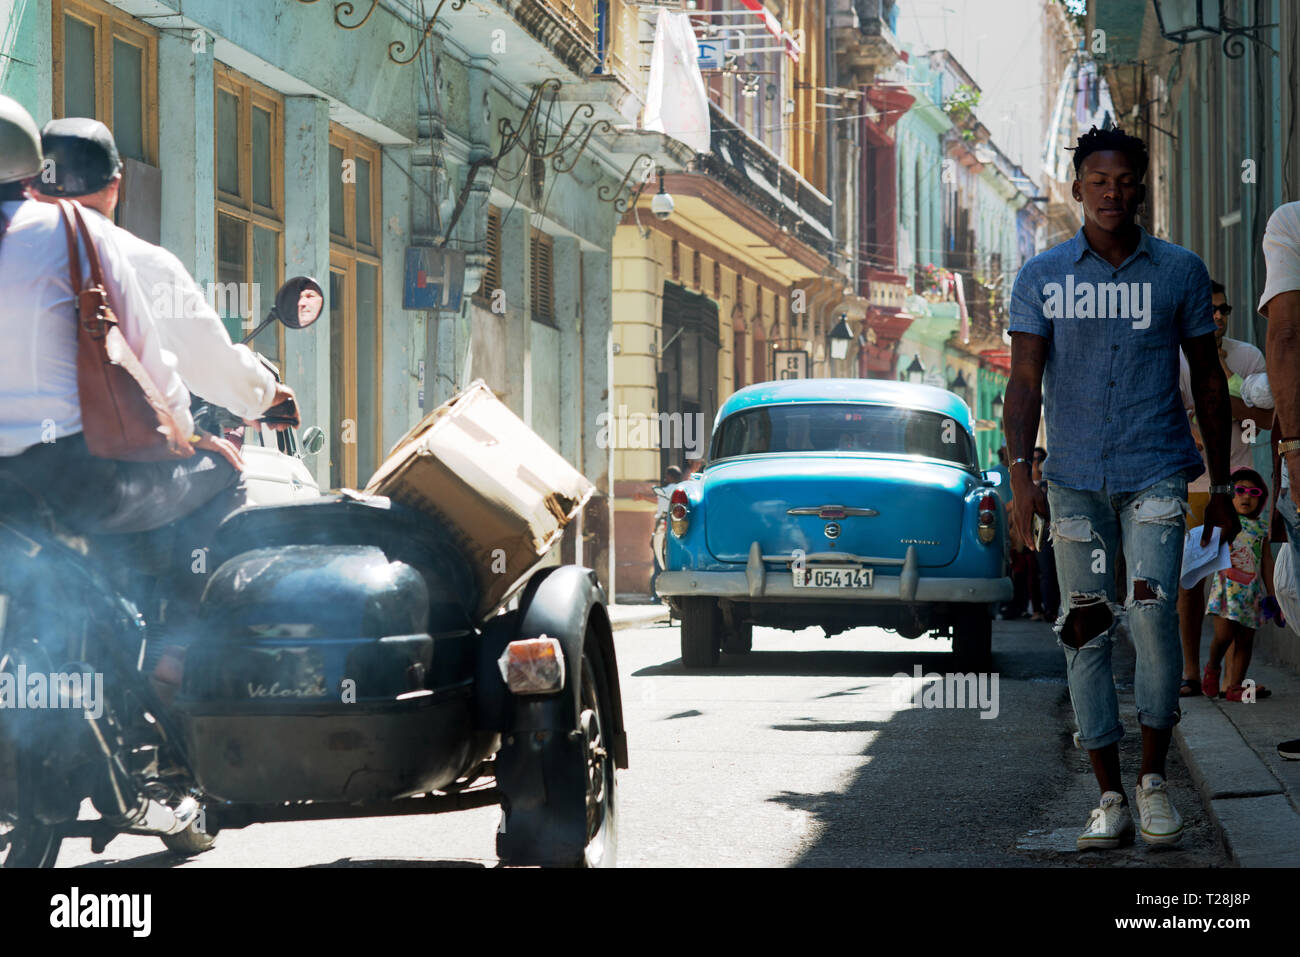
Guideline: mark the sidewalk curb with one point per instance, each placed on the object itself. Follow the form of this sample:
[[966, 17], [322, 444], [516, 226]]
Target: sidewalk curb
[[1245, 801], [650, 617]]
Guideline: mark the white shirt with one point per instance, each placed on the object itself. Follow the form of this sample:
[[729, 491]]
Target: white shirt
[[1282, 266], [190, 329], [38, 327], [1243, 360], [1281, 248]]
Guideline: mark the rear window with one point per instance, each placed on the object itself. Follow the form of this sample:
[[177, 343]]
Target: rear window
[[833, 427]]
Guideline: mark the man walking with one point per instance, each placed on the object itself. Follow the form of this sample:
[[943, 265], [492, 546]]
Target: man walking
[[1280, 305], [1096, 325], [1239, 360]]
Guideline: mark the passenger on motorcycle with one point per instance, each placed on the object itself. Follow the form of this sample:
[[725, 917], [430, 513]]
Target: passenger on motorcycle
[[86, 167], [41, 445]]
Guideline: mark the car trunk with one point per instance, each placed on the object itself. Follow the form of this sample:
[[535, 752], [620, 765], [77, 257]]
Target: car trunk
[[918, 503]]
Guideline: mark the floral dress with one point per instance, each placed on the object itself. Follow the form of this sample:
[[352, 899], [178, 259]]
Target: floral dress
[[1236, 592]]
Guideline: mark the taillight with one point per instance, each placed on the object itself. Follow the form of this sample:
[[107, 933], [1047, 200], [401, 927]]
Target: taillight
[[988, 521], [679, 511]]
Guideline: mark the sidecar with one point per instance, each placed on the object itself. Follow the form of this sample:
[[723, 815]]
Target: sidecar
[[338, 671]]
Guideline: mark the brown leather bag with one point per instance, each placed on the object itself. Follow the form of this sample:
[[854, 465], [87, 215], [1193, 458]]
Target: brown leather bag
[[123, 413]]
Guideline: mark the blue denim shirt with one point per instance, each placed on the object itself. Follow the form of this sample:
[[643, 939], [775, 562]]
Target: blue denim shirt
[[1110, 386]]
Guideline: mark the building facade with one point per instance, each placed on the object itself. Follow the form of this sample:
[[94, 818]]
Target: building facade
[[455, 182]]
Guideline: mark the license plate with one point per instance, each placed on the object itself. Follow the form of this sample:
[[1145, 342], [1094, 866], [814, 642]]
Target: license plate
[[832, 576]]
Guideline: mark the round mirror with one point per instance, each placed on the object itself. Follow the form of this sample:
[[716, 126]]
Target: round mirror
[[313, 440], [299, 302]]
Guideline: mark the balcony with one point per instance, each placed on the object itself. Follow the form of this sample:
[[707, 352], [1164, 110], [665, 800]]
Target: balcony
[[750, 171], [863, 35]]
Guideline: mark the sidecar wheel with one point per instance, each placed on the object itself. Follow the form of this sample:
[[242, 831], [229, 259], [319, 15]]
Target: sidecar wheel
[[564, 816]]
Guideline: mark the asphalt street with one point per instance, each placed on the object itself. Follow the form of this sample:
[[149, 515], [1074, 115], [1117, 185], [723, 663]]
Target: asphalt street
[[803, 753]]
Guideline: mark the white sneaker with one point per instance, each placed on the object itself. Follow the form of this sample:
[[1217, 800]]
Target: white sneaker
[[1161, 822], [1110, 826]]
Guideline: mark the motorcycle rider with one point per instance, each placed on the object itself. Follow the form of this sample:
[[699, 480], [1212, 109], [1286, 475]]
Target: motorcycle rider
[[86, 167], [42, 448]]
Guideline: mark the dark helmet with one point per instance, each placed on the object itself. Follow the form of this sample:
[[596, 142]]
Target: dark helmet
[[84, 154], [20, 144]]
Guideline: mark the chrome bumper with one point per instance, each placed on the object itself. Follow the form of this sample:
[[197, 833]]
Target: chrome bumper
[[779, 586]]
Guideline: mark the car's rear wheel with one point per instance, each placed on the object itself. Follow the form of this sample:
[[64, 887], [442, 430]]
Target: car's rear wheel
[[738, 640], [701, 632], [972, 641]]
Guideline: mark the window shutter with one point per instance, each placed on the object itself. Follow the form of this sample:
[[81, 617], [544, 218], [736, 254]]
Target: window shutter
[[492, 275], [543, 303]]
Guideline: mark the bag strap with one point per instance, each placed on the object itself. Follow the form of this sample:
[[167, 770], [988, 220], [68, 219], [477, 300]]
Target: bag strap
[[92, 254], [74, 257]]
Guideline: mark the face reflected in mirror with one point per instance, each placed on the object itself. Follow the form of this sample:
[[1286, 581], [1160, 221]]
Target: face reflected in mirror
[[310, 304]]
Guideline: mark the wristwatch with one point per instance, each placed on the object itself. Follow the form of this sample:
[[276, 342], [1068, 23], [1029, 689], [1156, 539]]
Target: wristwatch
[[1017, 462], [1288, 445]]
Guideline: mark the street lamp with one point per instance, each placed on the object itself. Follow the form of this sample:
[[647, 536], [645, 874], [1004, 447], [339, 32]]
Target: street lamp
[[959, 385], [840, 338], [1187, 21], [915, 371], [997, 407]]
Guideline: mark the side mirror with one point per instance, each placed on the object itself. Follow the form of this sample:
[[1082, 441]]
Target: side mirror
[[298, 303], [993, 479], [313, 440]]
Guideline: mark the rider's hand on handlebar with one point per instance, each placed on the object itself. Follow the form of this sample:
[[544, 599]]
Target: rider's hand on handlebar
[[223, 447], [284, 396]]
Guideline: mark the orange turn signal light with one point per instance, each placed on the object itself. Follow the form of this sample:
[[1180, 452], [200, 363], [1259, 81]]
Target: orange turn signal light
[[533, 665]]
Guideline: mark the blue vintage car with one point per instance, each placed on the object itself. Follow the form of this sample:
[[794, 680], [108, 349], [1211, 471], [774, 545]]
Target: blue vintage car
[[839, 503]]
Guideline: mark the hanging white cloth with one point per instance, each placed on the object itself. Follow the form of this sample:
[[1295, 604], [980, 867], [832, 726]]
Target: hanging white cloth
[[676, 103]]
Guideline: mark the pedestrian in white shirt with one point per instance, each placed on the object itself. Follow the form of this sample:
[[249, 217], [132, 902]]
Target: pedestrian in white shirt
[[42, 448], [1280, 305], [86, 166], [1241, 362]]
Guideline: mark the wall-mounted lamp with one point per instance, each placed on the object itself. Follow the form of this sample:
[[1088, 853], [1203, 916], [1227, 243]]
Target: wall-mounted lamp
[[1189, 21], [916, 370], [840, 337]]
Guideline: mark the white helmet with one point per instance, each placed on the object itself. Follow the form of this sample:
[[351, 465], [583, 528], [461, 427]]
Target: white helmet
[[20, 142]]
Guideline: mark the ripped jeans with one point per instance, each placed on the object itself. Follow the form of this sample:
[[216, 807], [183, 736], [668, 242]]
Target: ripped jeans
[[1086, 528]]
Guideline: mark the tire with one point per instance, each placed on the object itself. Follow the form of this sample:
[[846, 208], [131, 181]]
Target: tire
[[190, 841], [573, 785], [30, 845], [739, 640], [701, 632], [972, 641]]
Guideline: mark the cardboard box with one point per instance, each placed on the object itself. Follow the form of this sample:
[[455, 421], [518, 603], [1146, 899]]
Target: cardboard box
[[493, 482]]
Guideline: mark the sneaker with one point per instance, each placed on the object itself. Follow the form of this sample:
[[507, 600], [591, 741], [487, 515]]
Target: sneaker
[[1110, 826], [1289, 750], [1161, 822]]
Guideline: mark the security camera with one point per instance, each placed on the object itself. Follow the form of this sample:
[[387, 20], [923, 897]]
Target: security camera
[[662, 205]]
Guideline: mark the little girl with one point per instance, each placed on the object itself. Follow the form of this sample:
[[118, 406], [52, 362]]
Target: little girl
[[1243, 594]]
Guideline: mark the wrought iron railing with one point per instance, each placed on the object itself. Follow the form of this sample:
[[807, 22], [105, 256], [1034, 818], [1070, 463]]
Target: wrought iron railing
[[753, 172]]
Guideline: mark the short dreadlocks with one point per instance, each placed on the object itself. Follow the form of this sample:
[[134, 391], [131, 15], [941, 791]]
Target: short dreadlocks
[[1114, 138]]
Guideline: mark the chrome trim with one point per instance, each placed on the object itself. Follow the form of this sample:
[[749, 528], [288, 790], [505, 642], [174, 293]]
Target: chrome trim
[[887, 588], [818, 509], [835, 557]]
